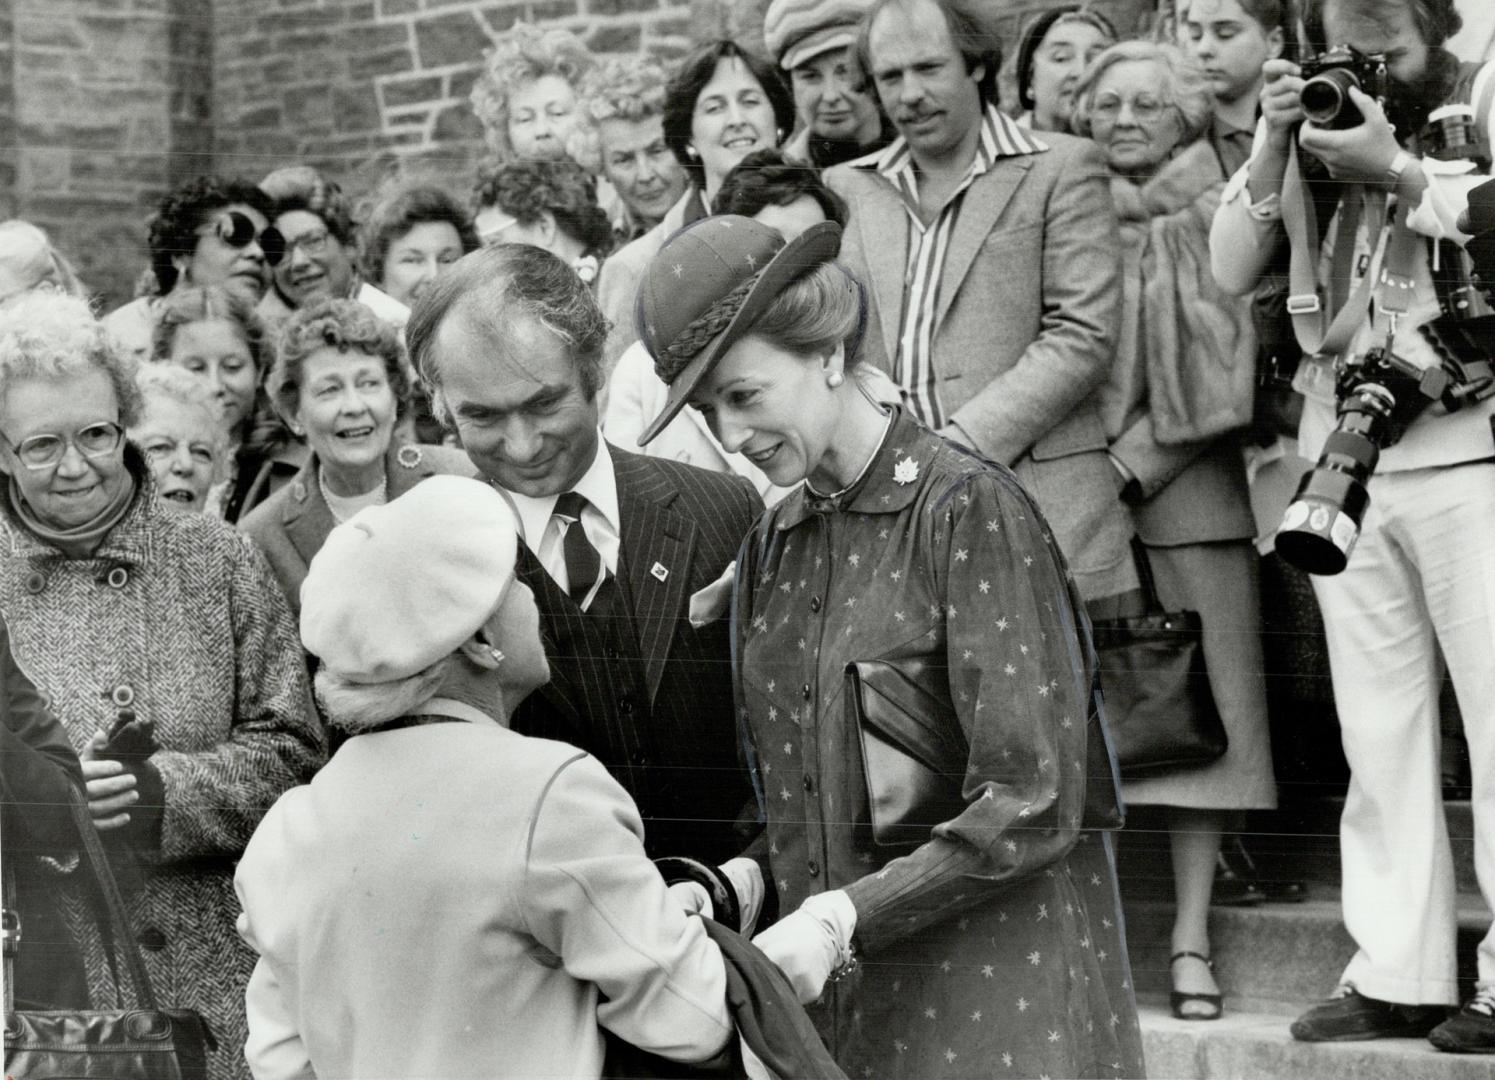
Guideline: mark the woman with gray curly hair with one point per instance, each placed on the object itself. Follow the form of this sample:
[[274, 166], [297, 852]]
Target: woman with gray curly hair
[[341, 383], [526, 93], [167, 653], [181, 434], [1178, 399], [624, 102]]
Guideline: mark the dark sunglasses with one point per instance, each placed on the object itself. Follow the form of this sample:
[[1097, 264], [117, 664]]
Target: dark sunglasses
[[238, 231]]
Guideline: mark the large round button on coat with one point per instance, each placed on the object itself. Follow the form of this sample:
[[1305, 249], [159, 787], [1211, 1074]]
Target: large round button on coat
[[118, 577], [36, 581]]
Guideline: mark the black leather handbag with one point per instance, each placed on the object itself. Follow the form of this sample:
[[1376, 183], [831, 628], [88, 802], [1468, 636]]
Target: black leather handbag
[[1159, 707], [915, 754], [143, 1043]]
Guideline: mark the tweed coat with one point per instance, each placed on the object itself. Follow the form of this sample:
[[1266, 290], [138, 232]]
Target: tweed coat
[[292, 525], [675, 751], [1025, 326], [177, 617]]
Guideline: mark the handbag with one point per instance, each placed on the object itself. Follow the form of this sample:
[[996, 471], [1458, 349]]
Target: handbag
[[143, 1043], [915, 755], [1159, 707]]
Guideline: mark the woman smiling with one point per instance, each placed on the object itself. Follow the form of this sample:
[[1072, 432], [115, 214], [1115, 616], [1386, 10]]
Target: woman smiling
[[340, 381]]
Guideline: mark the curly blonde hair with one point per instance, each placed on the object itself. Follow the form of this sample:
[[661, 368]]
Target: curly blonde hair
[[521, 56], [50, 336]]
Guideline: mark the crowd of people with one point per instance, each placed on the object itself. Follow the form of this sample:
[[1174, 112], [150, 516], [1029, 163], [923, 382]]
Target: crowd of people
[[454, 608]]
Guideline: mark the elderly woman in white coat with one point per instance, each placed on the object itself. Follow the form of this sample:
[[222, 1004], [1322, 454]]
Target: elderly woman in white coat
[[448, 898]]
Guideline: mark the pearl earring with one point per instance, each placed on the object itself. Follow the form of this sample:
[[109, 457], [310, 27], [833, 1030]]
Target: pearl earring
[[834, 379]]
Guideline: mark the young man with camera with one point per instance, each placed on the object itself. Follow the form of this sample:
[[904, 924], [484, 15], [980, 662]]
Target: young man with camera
[[1422, 575]]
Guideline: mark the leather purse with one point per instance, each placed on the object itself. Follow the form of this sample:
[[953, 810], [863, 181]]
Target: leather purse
[[143, 1043], [1159, 707], [915, 754]]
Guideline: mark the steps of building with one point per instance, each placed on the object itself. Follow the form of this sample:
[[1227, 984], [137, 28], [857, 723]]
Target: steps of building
[[1257, 1046]]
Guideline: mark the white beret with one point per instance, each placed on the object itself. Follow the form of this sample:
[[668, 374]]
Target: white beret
[[397, 587]]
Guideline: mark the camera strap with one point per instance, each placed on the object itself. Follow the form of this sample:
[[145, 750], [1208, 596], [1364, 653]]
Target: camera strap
[[1326, 317]]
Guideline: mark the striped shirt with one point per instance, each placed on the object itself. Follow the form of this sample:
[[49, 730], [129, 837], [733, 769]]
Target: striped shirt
[[913, 366]]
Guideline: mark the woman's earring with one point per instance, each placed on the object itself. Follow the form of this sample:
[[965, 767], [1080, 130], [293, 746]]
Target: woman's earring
[[692, 152], [834, 379], [498, 657]]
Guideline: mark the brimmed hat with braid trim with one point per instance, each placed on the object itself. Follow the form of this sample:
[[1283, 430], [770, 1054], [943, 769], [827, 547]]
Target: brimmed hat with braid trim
[[706, 288]]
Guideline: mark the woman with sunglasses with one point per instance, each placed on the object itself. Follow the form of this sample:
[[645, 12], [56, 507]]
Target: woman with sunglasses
[[318, 258], [209, 231], [1179, 394], [167, 652]]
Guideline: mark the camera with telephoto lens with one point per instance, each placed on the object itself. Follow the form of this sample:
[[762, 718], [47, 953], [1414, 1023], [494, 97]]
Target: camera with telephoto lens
[[1379, 395], [1327, 79]]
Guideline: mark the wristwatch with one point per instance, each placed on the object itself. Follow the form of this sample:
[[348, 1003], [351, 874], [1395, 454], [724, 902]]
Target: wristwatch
[[1398, 166]]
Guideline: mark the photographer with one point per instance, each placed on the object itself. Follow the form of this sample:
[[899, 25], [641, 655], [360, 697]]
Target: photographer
[[1423, 572]]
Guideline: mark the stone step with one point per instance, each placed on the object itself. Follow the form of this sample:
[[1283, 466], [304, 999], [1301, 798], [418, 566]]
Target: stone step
[[1279, 957], [1257, 1046]]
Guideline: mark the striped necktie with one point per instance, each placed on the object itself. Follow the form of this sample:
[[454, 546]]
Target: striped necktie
[[585, 571]]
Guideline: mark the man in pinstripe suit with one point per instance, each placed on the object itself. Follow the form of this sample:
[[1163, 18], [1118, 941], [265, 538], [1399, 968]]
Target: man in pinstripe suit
[[510, 342]]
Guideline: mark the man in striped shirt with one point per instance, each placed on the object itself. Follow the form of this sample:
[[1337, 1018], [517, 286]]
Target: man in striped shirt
[[992, 263]]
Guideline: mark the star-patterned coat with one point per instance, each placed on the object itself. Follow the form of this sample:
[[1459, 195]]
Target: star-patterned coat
[[995, 948]]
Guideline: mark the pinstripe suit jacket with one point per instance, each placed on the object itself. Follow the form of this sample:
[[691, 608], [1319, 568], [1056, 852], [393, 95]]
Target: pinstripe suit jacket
[[680, 527]]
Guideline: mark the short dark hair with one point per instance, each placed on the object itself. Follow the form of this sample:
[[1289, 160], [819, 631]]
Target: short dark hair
[[970, 30], [695, 71], [766, 178], [341, 324], [300, 187], [493, 286], [172, 229], [1268, 14], [1436, 20], [1038, 29], [526, 189], [404, 209]]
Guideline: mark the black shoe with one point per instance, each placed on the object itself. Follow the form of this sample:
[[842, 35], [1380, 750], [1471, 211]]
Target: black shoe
[[1352, 1016], [1471, 1030], [1232, 889], [1177, 999]]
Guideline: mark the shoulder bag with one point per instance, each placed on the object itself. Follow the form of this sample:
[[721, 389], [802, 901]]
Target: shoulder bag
[[143, 1043]]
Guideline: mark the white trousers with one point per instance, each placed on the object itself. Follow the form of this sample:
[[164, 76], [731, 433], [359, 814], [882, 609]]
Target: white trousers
[[1422, 576]]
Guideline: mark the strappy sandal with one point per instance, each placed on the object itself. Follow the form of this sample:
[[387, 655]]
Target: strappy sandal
[[1177, 999]]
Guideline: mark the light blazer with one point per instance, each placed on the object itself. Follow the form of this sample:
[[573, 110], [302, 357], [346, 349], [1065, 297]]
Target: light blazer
[[292, 525], [1025, 329], [454, 900]]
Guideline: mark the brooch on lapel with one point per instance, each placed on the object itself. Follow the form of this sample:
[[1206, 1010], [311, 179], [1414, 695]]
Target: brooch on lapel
[[659, 570], [906, 471], [408, 456]]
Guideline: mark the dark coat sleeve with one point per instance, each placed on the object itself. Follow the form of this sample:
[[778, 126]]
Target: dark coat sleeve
[[38, 768]]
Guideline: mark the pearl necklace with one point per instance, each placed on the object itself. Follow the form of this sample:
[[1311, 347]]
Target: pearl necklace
[[345, 506]]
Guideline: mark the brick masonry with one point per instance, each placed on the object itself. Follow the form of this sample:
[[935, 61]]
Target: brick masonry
[[106, 104]]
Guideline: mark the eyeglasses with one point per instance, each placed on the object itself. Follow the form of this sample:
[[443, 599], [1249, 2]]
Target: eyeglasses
[[238, 231], [313, 243], [46, 450], [1145, 108]]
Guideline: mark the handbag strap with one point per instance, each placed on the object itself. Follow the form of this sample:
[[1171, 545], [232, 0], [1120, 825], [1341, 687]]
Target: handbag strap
[[12, 932], [120, 941], [1144, 575]]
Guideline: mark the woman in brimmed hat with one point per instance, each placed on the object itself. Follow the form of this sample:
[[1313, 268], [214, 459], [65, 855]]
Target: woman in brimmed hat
[[448, 898], [993, 933]]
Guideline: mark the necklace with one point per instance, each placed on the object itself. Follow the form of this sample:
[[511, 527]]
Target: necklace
[[881, 439], [345, 506]]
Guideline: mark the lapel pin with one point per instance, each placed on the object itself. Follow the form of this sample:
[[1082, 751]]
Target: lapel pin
[[659, 571], [906, 471]]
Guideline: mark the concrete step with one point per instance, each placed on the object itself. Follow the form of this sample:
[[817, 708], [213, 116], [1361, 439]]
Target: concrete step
[[1257, 1046], [1279, 957]]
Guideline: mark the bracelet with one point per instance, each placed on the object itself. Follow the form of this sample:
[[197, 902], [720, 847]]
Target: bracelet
[[1398, 166], [848, 967]]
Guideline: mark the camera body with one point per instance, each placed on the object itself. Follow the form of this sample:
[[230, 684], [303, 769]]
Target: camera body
[[1327, 79]]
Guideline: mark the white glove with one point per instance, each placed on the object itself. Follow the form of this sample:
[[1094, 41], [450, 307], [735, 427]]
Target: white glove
[[812, 942], [746, 877], [692, 898]]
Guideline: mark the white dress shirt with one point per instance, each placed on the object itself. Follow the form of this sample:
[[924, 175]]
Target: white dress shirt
[[543, 531]]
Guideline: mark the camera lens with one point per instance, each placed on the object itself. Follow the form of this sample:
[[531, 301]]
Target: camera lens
[[1326, 100]]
